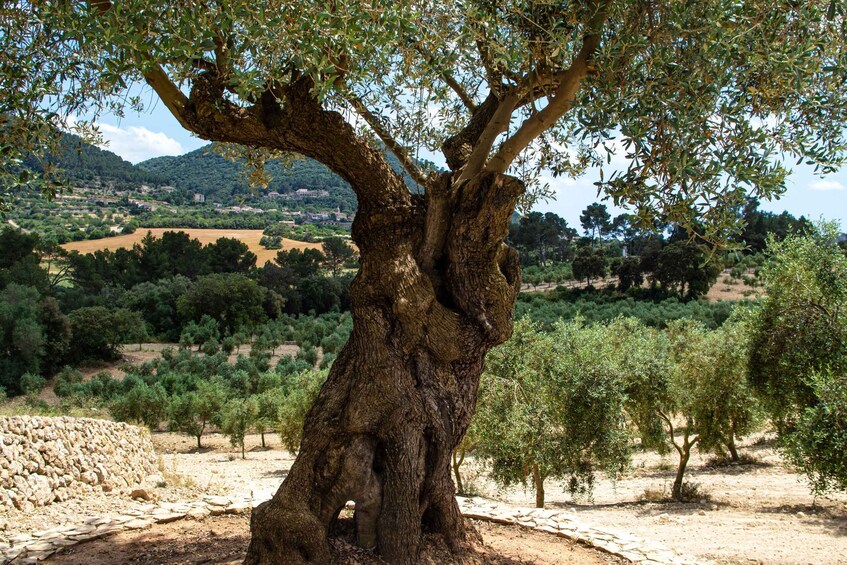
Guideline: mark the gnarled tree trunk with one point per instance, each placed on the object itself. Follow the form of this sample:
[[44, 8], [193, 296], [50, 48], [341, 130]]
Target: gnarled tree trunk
[[435, 292]]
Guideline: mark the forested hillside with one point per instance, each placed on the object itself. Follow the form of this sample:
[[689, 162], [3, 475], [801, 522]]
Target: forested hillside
[[90, 165], [202, 171], [220, 180]]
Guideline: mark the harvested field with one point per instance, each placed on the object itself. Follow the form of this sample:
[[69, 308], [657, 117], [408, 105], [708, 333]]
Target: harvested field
[[205, 236]]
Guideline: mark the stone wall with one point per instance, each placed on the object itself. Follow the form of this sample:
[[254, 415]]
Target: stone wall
[[53, 459]]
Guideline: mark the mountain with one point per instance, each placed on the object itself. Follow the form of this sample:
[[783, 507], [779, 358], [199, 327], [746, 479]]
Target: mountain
[[88, 165], [205, 172], [221, 180]]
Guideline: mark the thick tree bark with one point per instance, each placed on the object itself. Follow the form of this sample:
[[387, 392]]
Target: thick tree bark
[[434, 293]]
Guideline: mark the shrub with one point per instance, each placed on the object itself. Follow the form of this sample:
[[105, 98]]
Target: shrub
[[32, 383], [552, 407], [300, 392]]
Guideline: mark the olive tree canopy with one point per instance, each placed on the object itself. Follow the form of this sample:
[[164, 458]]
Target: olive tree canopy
[[704, 99]]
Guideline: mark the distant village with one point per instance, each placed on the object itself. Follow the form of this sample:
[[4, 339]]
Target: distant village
[[336, 217]]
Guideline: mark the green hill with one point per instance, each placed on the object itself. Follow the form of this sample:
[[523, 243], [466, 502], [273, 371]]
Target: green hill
[[88, 165], [204, 171], [220, 180]]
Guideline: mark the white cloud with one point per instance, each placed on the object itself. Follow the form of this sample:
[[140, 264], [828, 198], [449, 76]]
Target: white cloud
[[137, 143], [827, 185]]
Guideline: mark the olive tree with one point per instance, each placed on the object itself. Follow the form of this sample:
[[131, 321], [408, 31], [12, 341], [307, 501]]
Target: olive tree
[[799, 352], [551, 406], [700, 97], [686, 387], [237, 417], [710, 403], [193, 411]]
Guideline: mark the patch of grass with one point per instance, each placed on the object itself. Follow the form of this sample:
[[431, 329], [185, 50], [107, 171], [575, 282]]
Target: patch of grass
[[693, 492], [654, 495], [690, 492], [719, 461], [664, 466]]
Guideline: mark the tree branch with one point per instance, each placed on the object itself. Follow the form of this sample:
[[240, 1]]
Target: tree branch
[[568, 82], [671, 431], [396, 148], [301, 126], [173, 98], [448, 79], [498, 123]]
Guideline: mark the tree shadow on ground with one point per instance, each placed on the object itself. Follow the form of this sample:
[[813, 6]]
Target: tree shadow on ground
[[198, 450], [220, 541], [223, 540], [642, 507], [281, 474], [826, 515]]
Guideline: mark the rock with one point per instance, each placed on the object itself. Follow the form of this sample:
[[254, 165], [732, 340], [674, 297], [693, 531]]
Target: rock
[[702, 513], [39, 546], [664, 518], [142, 494], [41, 491], [167, 517], [198, 513], [138, 523], [154, 479], [218, 500]]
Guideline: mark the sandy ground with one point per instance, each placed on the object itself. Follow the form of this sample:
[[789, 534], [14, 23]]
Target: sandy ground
[[759, 513], [219, 469], [754, 513]]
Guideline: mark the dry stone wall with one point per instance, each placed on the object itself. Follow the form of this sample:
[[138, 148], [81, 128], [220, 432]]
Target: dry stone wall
[[43, 460]]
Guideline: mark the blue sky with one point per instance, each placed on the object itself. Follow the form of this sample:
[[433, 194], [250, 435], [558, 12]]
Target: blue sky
[[156, 133]]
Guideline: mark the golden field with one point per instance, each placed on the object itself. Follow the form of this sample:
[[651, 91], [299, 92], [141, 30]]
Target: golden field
[[206, 236]]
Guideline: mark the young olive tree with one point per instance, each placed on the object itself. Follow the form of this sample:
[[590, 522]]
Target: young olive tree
[[701, 97], [551, 406], [799, 352], [710, 402], [300, 392], [686, 387], [269, 404], [191, 412], [237, 417]]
